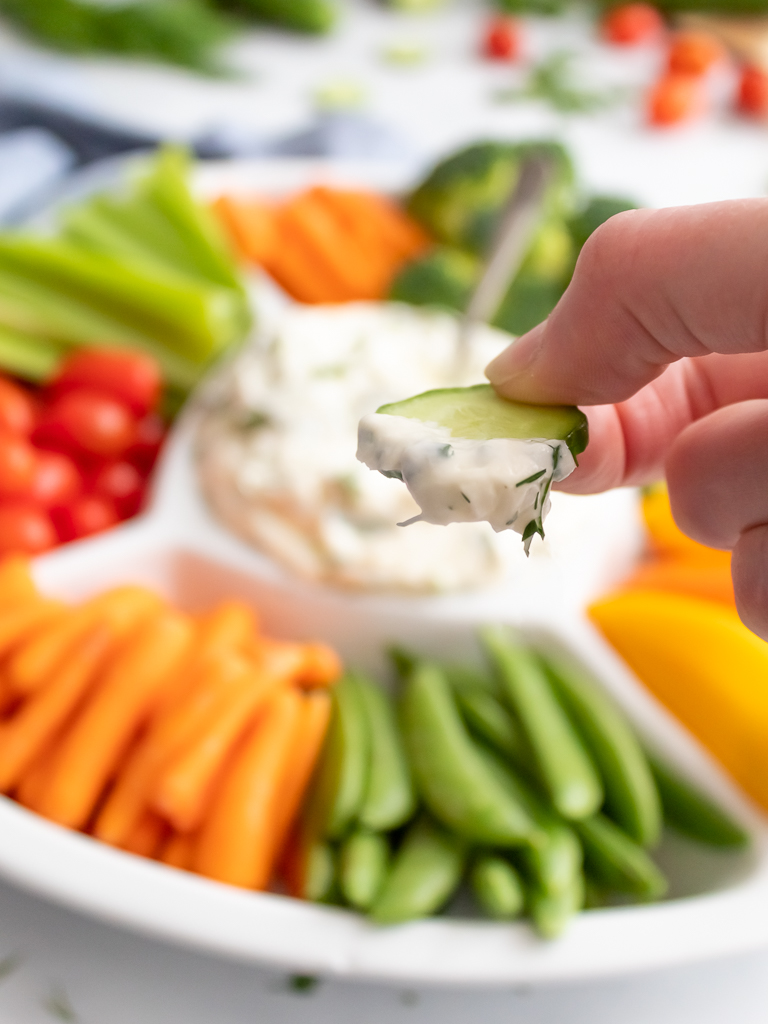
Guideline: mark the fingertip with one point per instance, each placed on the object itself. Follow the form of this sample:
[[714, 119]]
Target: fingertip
[[507, 372], [749, 566]]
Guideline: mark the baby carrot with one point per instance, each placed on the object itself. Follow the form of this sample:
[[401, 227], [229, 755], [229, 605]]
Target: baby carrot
[[167, 735], [321, 666], [26, 735], [148, 838], [179, 850], [97, 740], [182, 792], [123, 608], [20, 622], [16, 583], [307, 743], [236, 842]]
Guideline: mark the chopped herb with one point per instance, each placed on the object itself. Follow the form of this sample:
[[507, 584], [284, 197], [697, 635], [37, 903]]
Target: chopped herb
[[552, 81], [303, 983], [446, 451], [58, 1005], [465, 497], [536, 501], [535, 526], [555, 457], [509, 522], [392, 474], [531, 479]]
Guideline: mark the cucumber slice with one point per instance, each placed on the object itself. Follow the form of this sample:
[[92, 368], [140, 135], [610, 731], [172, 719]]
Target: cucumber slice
[[479, 414]]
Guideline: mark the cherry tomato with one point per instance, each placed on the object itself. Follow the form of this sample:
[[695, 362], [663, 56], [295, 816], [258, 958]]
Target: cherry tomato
[[123, 485], [88, 423], [131, 377], [694, 53], [150, 431], [17, 409], [675, 98], [752, 98], [25, 529], [57, 480], [18, 462], [631, 24], [83, 517], [502, 39]]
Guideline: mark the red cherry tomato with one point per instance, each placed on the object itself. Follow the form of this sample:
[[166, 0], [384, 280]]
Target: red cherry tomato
[[131, 377], [18, 462], [675, 98], [694, 53], [89, 423], [57, 480], [83, 517], [150, 432], [631, 24], [25, 529], [752, 98], [17, 409], [502, 39], [123, 485]]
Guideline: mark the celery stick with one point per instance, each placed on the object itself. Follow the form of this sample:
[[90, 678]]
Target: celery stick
[[30, 358]]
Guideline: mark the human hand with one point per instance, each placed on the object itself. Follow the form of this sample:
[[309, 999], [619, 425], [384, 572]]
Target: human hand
[[667, 316]]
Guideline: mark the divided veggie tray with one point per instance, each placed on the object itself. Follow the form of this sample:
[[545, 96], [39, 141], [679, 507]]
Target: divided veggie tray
[[718, 903]]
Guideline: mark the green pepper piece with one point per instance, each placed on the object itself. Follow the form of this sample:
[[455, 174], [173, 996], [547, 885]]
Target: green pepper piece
[[618, 862], [631, 797], [425, 873], [498, 887], [363, 864], [689, 811], [389, 800], [449, 769], [566, 770]]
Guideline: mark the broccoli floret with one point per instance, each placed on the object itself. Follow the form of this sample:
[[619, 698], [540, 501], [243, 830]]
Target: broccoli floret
[[461, 199], [598, 210], [444, 277]]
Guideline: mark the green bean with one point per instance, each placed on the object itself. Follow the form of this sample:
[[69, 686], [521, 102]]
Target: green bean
[[363, 863], [498, 887], [340, 784], [489, 720], [320, 873], [450, 771], [631, 797], [551, 911], [424, 875], [565, 767], [617, 862], [389, 800], [690, 812]]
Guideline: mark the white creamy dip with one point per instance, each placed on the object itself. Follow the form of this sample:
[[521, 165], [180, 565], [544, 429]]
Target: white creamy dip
[[276, 445], [504, 481]]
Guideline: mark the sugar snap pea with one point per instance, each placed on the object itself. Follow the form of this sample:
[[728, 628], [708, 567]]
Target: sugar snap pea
[[363, 863], [389, 799], [466, 677], [498, 887], [339, 786], [689, 811], [449, 769], [566, 770], [551, 911], [618, 862], [319, 873], [491, 721], [631, 797], [425, 873]]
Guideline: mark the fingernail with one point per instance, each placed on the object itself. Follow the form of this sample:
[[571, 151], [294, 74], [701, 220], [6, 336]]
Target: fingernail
[[515, 359]]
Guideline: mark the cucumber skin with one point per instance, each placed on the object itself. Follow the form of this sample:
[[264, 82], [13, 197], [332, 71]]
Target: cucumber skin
[[632, 798], [693, 814]]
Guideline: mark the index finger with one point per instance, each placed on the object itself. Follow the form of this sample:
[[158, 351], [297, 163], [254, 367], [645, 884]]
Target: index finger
[[650, 287]]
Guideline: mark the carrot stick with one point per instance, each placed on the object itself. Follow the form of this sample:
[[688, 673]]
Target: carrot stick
[[236, 841], [321, 666], [148, 838], [21, 622], [16, 583], [306, 747], [33, 783], [97, 740], [183, 791], [166, 737], [25, 736], [179, 850], [300, 267], [251, 225], [380, 221], [123, 608], [9, 699]]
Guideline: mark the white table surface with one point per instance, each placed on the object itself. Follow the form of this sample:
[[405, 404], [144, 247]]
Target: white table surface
[[108, 976]]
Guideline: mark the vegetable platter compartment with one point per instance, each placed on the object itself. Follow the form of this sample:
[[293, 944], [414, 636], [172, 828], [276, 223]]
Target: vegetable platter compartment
[[718, 903]]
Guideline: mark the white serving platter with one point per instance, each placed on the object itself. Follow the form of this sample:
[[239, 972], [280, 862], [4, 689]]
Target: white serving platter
[[718, 904]]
